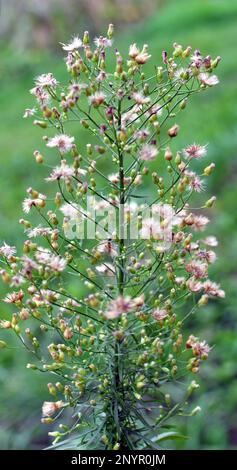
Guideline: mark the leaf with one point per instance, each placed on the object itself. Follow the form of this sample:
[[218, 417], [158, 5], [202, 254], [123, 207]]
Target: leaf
[[168, 435]]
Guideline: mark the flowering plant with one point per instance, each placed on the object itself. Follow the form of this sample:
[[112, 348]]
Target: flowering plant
[[117, 272]]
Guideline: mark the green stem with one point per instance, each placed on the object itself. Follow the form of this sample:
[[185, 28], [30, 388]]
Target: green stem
[[118, 379]]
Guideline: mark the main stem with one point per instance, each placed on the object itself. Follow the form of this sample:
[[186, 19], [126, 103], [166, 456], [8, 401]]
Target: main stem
[[118, 367], [121, 211]]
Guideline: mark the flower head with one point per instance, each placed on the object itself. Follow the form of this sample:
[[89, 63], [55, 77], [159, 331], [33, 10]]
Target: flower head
[[133, 51], [140, 98], [160, 314], [210, 241], [54, 262], [46, 80], [61, 172], [62, 141], [143, 56], [213, 289], [197, 268], [106, 269], [119, 306], [193, 285], [103, 42], [29, 203], [97, 99], [196, 184], [75, 44], [151, 228], [42, 95], [14, 297], [39, 232], [195, 151], [7, 250], [148, 152], [108, 247], [70, 210], [50, 407], [208, 80], [199, 222], [29, 112]]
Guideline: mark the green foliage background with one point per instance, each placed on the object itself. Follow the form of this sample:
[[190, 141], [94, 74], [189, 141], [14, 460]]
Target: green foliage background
[[210, 118]]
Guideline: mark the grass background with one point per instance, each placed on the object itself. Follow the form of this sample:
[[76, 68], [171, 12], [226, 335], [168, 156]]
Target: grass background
[[211, 117]]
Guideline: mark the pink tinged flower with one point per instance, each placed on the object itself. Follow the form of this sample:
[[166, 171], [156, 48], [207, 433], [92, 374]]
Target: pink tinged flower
[[28, 204], [103, 42], [139, 301], [160, 314], [179, 280], [68, 333], [70, 59], [14, 297], [28, 266], [46, 80], [42, 96], [17, 280], [133, 51], [119, 306], [114, 178], [101, 76], [57, 264], [101, 205], [165, 57], [207, 255], [97, 99], [208, 80], [108, 248], [63, 142], [191, 341], [142, 134], [201, 349], [54, 262], [148, 152], [39, 232], [49, 407], [143, 56], [213, 289], [75, 44], [207, 61], [195, 151], [199, 222], [131, 115], [140, 98], [178, 237], [196, 184], [62, 172], [210, 241], [151, 229], [193, 246], [43, 255], [173, 131], [29, 112], [197, 268], [106, 269], [196, 59], [154, 110], [7, 250], [138, 180], [5, 324], [71, 211], [75, 89], [193, 285]]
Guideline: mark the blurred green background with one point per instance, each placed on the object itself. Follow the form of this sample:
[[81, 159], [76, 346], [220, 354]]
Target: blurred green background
[[30, 32]]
